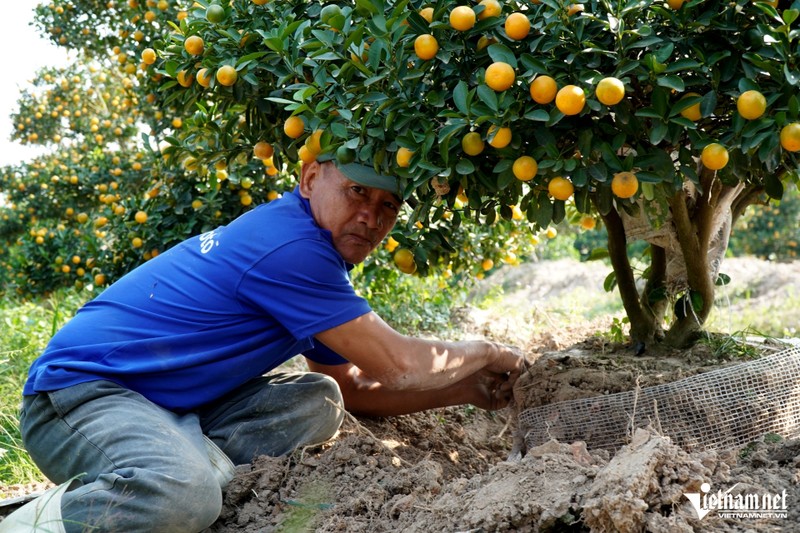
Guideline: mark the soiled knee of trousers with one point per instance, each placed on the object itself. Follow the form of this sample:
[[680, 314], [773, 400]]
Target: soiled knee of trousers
[[190, 503], [183, 500], [330, 407]]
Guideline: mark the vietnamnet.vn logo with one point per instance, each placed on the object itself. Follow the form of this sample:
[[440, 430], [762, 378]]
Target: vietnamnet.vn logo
[[743, 505]]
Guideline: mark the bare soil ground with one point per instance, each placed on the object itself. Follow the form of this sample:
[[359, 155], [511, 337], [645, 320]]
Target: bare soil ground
[[457, 469], [462, 469]]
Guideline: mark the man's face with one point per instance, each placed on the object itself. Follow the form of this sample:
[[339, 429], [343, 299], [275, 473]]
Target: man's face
[[358, 217]]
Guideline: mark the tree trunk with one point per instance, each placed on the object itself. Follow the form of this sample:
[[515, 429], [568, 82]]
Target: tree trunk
[[701, 221], [655, 289], [643, 322]]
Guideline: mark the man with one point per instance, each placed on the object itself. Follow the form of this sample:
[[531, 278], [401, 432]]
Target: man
[[142, 403]]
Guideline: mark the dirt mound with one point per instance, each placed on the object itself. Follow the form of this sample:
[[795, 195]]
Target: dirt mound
[[456, 469], [358, 483]]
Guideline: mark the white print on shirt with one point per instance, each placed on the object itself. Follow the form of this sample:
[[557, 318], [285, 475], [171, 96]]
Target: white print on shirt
[[207, 241]]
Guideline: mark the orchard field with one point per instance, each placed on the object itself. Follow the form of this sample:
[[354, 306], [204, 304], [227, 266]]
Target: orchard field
[[607, 177]]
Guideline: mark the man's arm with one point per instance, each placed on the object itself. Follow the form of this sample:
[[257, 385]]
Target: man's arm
[[365, 396], [401, 370]]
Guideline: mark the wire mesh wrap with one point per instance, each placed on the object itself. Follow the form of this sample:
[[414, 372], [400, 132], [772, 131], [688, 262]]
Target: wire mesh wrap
[[724, 408]]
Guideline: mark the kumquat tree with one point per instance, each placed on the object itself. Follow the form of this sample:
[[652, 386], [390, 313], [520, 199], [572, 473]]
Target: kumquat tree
[[665, 120]]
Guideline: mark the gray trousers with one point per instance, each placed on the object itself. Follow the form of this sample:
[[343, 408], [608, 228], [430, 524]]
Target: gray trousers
[[142, 468]]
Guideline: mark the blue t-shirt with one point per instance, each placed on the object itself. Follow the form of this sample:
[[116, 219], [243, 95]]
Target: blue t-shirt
[[213, 312]]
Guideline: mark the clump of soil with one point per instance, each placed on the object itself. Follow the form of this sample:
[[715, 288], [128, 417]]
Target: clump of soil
[[359, 483], [373, 473]]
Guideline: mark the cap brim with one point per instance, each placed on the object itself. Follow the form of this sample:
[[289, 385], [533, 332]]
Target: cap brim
[[365, 175]]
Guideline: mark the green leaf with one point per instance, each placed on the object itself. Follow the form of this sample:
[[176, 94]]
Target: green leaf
[[500, 52], [279, 100], [488, 97], [599, 172], [684, 103], [604, 199], [610, 282], [559, 211], [647, 42], [648, 112], [658, 132], [583, 202], [450, 129], [250, 57], [506, 178], [791, 76], [683, 122], [708, 103], [753, 141], [465, 167], [770, 152], [339, 130], [773, 186], [544, 214], [790, 15], [367, 5], [660, 101], [539, 115], [794, 107], [717, 57], [375, 79], [609, 157], [654, 159], [682, 64], [747, 85], [460, 94], [374, 98], [664, 53], [597, 253], [376, 51], [671, 82]]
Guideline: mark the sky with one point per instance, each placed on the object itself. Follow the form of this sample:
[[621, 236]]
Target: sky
[[25, 51]]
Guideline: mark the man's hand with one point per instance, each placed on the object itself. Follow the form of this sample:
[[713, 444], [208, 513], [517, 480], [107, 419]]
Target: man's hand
[[489, 387], [492, 387], [390, 373]]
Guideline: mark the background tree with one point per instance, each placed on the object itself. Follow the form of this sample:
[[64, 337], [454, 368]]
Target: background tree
[[83, 198]]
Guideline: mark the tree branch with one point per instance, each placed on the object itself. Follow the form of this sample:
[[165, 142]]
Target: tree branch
[[687, 238], [695, 253], [746, 198], [656, 282], [641, 319], [706, 209]]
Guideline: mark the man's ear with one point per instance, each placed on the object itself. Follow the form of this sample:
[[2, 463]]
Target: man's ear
[[309, 172]]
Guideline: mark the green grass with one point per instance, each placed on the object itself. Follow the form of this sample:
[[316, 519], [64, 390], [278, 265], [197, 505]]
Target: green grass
[[26, 328], [774, 318]]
